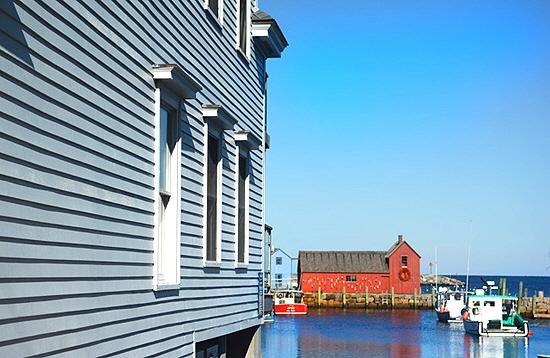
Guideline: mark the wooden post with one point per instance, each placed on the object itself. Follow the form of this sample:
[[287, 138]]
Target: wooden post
[[366, 296], [392, 297], [344, 296], [414, 298], [499, 286], [504, 290], [525, 292], [319, 296], [534, 305], [520, 295]]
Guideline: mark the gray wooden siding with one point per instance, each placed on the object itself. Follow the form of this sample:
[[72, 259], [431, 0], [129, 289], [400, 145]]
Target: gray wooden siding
[[76, 185]]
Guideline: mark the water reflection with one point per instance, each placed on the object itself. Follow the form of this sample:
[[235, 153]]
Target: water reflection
[[360, 333], [495, 346]]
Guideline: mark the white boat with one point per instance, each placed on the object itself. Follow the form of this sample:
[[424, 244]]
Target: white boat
[[488, 315], [450, 304]]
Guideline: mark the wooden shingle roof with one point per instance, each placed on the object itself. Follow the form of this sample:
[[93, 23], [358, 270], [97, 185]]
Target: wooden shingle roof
[[343, 261]]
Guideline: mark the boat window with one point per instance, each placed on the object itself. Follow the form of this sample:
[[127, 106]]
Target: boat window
[[489, 303], [476, 303]]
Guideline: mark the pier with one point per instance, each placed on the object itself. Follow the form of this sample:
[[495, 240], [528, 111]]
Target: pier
[[536, 306]]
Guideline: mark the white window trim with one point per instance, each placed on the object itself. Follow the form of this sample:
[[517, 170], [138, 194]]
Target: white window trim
[[216, 121], [246, 53], [219, 17], [175, 85], [246, 143], [217, 133], [174, 284], [246, 154]]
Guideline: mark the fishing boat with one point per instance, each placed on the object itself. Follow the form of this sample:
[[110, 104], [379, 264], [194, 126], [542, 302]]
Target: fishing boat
[[488, 315], [289, 302], [450, 304]]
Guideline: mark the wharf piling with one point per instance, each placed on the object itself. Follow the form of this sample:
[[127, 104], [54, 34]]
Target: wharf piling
[[536, 306], [344, 296]]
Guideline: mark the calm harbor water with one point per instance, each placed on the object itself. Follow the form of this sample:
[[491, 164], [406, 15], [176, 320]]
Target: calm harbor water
[[400, 333]]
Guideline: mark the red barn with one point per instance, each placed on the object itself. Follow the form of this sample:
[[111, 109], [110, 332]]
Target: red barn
[[399, 267]]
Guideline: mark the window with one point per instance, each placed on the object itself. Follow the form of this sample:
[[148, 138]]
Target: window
[[172, 86], [243, 19], [278, 261], [167, 271], [213, 164], [242, 207], [216, 8], [351, 278], [216, 121], [246, 143], [404, 261]]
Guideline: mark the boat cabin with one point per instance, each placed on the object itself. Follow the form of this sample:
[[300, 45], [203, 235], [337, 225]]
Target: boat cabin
[[493, 311], [286, 297]]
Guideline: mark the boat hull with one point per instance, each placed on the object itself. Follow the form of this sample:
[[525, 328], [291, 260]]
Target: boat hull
[[291, 309], [476, 328], [445, 317]]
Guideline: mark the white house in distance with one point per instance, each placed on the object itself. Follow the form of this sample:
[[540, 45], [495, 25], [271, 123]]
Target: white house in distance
[[132, 148]]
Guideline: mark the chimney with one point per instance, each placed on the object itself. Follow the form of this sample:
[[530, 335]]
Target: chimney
[[399, 238]]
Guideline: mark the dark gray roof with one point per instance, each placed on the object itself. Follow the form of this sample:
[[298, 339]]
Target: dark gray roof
[[343, 261], [260, 15]]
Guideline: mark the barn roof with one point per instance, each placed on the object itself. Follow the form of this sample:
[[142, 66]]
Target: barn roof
[[343, 261], [400, 242]]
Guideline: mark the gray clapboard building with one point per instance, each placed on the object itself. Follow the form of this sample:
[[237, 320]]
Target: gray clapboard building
[[132, 153]]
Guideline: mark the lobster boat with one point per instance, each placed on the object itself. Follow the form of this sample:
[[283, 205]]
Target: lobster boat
[[450, 304], [487, 315], [289, 302]]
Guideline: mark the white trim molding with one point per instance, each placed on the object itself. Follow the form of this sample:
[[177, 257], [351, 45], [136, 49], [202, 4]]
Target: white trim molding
[[173, 77], [248, 140], [269, 36], [215, 114]]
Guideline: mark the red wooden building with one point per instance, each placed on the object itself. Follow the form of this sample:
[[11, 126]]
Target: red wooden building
[[398, 267]]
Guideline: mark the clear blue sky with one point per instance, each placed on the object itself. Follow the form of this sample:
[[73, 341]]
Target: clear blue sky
[[426, 118]]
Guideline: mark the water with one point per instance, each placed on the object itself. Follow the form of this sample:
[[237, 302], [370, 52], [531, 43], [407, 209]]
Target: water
[[532, 283], [400, 333]]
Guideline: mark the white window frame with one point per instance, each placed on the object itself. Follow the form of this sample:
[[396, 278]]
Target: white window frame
[[242, 152], [248, 30], [246, 143], [216, 121], [219, 17], [211, 130], [170, 247]]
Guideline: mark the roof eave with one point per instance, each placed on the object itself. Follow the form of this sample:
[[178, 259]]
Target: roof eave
[[269, 36]]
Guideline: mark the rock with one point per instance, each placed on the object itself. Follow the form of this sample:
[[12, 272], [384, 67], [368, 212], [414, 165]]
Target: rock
[[441, 280]]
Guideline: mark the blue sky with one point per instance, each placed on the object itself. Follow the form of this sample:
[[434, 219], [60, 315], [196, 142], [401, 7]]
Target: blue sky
[[424, 118]]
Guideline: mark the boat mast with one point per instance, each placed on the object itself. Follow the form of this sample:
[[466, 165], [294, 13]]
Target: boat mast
[[468, 270], [436, 283]]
